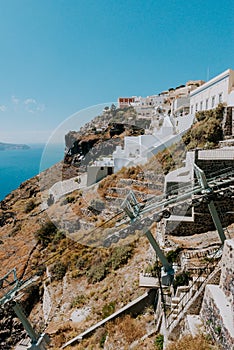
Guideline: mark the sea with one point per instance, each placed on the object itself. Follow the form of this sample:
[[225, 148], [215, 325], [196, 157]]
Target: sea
[[17, 166]]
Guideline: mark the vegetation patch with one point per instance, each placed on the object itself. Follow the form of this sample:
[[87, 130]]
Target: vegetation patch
[[108, 309], [159, 342], [207, 132], [192, 343], [97, 273], [58, 271], [46, 233], [118, 257], [79, 301], [181, 279], [173, 255], [30, 205]]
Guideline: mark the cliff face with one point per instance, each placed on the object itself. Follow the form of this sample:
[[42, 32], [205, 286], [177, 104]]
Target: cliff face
[[79, 285], [91, 144], [72, 278]]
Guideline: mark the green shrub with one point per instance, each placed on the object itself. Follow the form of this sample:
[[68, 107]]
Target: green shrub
[[40, 270], [58, 271], [200, 115], [108, 309], [208, 131], [46, 233], [70, 199], [173, 255], [119, 256], [159, 342], [97, 273], [182, 279], [30, 206], [59, 235], [78, 301], [152, 269], [102, 340]]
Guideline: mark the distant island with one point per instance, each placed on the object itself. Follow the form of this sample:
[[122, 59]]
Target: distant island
[[12, 146]]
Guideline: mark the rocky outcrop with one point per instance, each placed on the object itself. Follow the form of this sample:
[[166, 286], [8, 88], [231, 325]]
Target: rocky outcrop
[[11, 330], [228, 122], [82, 148]]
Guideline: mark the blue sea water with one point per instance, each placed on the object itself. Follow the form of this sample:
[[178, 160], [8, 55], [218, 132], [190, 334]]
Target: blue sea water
[[17, 166]]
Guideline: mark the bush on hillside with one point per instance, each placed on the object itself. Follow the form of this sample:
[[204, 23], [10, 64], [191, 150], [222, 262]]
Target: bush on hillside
[[108, 309], [46, 233], [58, 271], [30, 205], [159, 342], [119, 257], [181, 279], [192, 343], [207, 132], [97, 273]]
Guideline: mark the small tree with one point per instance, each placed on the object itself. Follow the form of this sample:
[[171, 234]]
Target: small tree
[[58, 271], [29, 206], [46, 233]]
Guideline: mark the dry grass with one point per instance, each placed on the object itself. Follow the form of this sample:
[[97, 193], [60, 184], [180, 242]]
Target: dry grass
[[200, 342], [130, 329]]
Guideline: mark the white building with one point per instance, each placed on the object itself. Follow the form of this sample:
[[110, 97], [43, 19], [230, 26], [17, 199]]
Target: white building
[[180, 106], [220, 89], [145, 107], [136, 148]]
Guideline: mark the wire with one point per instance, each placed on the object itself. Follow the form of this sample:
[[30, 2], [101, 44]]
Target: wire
[[101, 225]]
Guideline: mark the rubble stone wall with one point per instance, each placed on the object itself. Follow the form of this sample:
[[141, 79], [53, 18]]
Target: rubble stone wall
[[227, 276], [217, 310], [202, 218]]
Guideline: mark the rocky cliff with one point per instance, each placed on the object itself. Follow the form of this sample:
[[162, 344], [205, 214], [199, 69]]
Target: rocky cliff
[[79, 285], [89, 145]]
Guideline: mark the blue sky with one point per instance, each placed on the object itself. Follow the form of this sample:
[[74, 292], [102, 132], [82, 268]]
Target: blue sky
[[60, 56]]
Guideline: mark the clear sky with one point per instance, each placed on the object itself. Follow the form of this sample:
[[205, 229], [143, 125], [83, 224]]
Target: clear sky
[[60, 56]]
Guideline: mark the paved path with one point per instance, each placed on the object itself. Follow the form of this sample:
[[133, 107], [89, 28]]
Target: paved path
[[61, 188]]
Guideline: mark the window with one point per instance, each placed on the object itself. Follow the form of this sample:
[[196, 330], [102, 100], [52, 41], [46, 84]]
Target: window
[[201, 106], [207, 101], [221, 97], [213, 101], [191, 109], [196, 107]]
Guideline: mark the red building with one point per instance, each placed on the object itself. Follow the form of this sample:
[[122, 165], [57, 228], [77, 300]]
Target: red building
[[125, 101]]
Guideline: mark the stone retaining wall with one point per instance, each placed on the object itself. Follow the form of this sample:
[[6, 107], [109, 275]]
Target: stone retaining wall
[[202, 219], [217, 310], [227, 277]]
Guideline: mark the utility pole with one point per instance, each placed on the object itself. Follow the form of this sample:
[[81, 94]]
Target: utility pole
[[12, 285], [207, 190]]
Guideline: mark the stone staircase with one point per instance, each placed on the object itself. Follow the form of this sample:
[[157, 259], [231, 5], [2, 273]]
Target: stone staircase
[[144, 187], [183, 295], [186, 300]]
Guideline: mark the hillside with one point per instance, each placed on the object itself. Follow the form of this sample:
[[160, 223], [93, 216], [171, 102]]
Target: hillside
[[79, 282]]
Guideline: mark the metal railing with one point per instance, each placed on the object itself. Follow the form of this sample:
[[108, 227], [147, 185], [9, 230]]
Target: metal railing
[[186, 298]]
